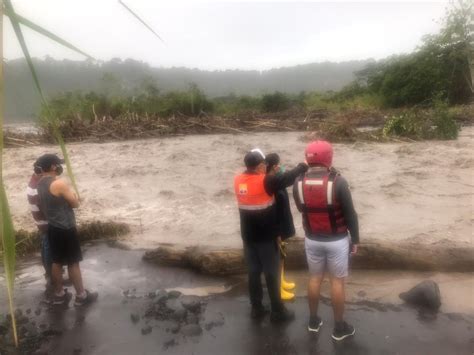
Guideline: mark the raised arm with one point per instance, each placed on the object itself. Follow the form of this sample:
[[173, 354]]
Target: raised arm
[[273, 183]]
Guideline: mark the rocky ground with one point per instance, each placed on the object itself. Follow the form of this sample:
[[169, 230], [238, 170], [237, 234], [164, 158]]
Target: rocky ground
[[147, 310]]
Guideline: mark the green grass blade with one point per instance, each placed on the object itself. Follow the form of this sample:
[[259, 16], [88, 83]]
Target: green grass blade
[[139, 19], [24, 21], [16, 27], [19, 35], [6, 224], [9, 252]]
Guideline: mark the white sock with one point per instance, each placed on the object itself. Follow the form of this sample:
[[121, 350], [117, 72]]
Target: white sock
[[82, 295], [60, 294]]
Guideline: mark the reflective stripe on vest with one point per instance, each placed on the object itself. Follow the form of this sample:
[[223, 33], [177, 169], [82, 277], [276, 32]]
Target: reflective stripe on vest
[[250, 192]]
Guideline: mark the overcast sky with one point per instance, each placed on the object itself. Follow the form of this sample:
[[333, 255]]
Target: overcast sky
[[228, 35]]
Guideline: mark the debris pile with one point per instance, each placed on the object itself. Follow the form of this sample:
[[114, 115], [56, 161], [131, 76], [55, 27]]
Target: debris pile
[[177, 314]]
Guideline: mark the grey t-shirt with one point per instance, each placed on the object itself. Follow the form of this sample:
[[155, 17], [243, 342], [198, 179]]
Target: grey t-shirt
[[56, 209]]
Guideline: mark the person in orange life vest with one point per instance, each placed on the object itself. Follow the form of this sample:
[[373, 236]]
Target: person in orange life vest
[[259, 228], [323, 197]]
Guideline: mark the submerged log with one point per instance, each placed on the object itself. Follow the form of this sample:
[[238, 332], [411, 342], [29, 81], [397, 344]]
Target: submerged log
[[372, 254]]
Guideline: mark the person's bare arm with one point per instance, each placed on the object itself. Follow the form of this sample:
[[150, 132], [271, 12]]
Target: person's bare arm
[[60, 188]]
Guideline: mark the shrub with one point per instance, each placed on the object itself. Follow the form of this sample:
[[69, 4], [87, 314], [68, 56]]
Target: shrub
[[433, 124], [275, 102]]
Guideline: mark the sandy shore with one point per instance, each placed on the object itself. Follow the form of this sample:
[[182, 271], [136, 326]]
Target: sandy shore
[[180, 190]]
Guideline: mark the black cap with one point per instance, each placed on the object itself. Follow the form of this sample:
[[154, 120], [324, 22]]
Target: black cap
[[252, 159], [272, 159], [46, 160]]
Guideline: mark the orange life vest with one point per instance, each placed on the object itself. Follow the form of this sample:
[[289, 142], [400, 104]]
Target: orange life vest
[[250, 192]]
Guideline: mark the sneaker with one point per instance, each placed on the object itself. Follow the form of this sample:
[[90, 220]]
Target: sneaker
[[258, 312], [343, 331], [315, 324], [282, 315], [88, 299], [62, 300]]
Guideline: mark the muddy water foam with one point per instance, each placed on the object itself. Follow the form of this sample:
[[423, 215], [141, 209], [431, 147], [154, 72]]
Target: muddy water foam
[[179, 189]]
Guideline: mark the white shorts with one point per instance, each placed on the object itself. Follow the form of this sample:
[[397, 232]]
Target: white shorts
[[332, 257]]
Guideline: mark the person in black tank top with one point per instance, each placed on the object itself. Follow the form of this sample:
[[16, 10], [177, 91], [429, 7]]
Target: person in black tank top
[[56, 201]]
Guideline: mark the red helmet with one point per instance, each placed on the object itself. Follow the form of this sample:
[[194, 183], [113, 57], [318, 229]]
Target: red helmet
[[319, 153]]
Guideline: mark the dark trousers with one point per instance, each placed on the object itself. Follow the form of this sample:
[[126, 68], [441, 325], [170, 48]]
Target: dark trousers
[[263, 257]]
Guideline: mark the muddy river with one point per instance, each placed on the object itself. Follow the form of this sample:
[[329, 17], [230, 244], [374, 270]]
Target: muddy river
[[179, 189]]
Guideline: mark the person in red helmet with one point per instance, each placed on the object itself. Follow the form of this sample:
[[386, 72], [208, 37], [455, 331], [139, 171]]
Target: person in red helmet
[[331, 226]]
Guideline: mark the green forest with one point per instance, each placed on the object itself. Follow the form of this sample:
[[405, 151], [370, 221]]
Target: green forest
[[121, 78]]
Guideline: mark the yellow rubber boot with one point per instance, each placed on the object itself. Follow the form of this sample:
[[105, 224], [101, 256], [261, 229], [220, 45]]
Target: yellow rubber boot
[[285, 295], [284, 284]]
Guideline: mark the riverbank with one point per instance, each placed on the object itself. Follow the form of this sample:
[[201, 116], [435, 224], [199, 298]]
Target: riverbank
[[384, 324]]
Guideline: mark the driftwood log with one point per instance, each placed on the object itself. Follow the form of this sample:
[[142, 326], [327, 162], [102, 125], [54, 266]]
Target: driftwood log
[[372, 254]]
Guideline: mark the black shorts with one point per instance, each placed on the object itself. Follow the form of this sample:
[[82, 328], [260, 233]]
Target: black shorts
[[64, 245]]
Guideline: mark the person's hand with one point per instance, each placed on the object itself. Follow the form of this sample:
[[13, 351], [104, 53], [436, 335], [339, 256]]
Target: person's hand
[[354, 249]]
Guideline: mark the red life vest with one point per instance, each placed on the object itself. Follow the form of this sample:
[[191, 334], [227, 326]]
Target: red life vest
[[250, 192], [322, 212]]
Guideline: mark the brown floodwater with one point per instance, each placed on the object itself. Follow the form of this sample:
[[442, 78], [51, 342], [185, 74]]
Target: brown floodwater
[[179, 189]]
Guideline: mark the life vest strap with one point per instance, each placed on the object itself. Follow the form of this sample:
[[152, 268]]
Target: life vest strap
[[331, 209]]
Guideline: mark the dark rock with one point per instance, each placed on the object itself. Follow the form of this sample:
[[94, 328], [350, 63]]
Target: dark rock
[[191, 330], [80, 318], [52, 332], [179, 315], [18, 312], [455, 316], [361, 293], [146, 330], [135, 317], [192, 304], [31, 330], [77, 351], [425, 295], [151, 295], [22, 330], [161, 296], [21, 320], [174, 294], [191, 318], [169, 342], [28, 311], [174, 327], [176, 309], [214, 320], [3, 329], [38, 311]]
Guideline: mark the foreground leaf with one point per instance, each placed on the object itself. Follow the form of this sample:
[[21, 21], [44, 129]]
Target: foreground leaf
[[139, 19], [24, 21], [6, 228], [19, 34]]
